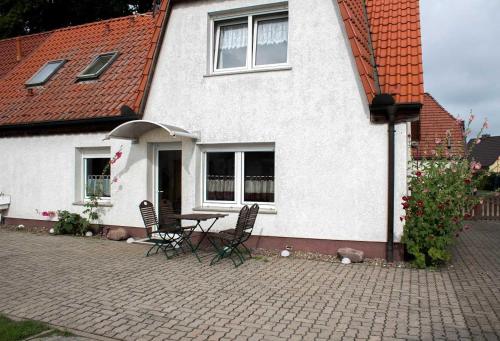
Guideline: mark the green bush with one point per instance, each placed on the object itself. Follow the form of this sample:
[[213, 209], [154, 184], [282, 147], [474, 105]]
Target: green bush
[[71, 223], [443, 192]]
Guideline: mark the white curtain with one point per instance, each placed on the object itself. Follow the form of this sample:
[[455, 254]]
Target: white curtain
[[259, 188], [233, 37], [220, 187], [272, 32], [98, 183]]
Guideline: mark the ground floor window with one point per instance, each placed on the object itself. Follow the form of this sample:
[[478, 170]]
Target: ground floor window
[[238, 176], [97, 177], [93, 173]]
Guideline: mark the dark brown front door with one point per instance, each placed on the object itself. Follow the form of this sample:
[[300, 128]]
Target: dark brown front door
[[169, 177]]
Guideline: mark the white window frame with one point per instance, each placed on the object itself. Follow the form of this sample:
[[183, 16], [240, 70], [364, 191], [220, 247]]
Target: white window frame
[[239, 176], [236, 170], [252, 17], [254, 42], [243, 180], [92, 153], [217, 37]]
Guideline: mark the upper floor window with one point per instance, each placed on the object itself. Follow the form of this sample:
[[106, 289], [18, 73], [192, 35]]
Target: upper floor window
[[250, 42], [45, 73], [98, 65]]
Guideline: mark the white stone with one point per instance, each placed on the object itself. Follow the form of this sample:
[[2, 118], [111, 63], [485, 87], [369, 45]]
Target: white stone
[[21, 226], [285, 253], [52, 231], [130, 240], [88, 234], [346, 260]]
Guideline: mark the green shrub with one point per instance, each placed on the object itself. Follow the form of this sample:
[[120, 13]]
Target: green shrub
[[71, 223]]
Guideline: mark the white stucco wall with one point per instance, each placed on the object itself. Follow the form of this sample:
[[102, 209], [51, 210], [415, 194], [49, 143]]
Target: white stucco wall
[[331, 162]]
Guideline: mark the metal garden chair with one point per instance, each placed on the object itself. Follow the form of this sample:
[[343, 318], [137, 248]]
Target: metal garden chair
[[169, 222], [248, 229], [164, 237], [226, 243]]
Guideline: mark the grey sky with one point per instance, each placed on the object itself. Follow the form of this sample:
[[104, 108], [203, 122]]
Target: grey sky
[[461, 51]]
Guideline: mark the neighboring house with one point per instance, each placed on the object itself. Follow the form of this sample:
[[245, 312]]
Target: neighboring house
[[250, 101], [436, 124], [61, 92], [487, 151]]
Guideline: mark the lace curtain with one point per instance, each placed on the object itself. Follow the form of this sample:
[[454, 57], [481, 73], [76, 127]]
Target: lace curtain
[[99, 184], [220, 187], [272, 32], [233, 37], [268, 32], [259, 188]]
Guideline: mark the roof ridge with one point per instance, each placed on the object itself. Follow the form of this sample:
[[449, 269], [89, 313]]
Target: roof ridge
[[26, 36], [65, 28]]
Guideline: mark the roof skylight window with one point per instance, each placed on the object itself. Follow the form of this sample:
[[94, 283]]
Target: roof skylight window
[[98, 65], [45, 73]]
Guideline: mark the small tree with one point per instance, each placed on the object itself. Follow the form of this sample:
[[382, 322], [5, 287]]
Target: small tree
[[442, 191]]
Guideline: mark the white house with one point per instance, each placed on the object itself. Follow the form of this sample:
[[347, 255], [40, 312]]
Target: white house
[[239, 101]]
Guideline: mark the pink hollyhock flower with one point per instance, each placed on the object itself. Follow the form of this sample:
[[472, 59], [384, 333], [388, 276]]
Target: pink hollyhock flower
[[418, 173], [485, 124], [478, 141], [475, 165], [438, 141], [115, 179], [45, 213], [471, 117]]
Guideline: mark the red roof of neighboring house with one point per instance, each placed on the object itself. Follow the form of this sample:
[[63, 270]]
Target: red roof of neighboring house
[[63, 98], [14, 50], [434, 123], [386, 33]]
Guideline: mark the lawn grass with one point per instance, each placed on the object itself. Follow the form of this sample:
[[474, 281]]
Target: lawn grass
[[18, 330]]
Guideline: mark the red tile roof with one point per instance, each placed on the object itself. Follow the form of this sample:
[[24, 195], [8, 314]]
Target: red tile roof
[[386, 33], [434, 123], [14, 50], [63, 97]]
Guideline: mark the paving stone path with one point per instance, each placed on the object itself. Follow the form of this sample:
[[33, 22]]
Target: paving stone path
[[110, 289]]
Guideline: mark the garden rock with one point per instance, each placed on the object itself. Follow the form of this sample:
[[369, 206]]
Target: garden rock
[[117, 234], [356, 256]]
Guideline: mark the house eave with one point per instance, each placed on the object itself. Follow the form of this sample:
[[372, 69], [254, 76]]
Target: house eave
[[87, 125]]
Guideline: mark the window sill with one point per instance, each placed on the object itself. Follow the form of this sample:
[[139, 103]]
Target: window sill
[[240, 72], [263, 210], [100, 204]]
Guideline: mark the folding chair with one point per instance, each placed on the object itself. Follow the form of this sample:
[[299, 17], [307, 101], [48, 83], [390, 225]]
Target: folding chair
[[248, 229], [167, 221], [163, 238], [226, 243]]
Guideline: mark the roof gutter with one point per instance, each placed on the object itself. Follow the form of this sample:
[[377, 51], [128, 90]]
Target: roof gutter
[[69, 126]]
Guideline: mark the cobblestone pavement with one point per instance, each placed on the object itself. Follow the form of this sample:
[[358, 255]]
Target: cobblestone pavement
[[110, 289]]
